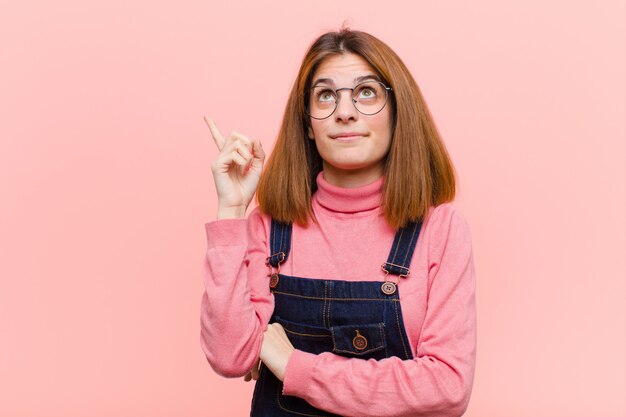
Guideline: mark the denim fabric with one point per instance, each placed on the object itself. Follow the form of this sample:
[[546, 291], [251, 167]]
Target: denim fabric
[[349, 318]]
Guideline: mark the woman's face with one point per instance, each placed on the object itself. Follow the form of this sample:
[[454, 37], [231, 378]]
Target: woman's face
[[352, 145]]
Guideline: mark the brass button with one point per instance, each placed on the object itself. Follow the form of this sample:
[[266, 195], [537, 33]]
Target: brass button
[[274, 281], [359, 341]]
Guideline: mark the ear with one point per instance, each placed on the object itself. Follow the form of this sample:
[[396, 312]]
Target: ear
[[310, 133]]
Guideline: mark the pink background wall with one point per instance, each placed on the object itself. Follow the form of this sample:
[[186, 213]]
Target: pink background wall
[[105, 186]]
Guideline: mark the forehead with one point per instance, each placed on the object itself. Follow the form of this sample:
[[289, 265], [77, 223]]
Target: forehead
[[342, 69]]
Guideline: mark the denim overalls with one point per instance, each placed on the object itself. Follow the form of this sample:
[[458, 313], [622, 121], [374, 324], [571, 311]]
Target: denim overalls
[[357, 319]]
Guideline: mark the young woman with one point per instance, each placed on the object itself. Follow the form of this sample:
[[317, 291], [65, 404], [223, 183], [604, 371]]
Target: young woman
[[352, 283]]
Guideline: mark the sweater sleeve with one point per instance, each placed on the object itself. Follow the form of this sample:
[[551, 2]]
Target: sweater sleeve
[[236, 304], [438, 381]]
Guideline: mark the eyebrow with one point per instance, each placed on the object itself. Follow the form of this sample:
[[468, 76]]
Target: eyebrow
[[357, 80]]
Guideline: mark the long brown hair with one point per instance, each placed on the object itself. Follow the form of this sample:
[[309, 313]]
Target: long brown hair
[[418, 170]]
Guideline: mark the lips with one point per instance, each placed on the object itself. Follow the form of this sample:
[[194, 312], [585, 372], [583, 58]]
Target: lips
[[348, 135]]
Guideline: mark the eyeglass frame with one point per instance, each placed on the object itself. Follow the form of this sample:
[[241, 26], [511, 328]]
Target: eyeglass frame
[[388, 89]]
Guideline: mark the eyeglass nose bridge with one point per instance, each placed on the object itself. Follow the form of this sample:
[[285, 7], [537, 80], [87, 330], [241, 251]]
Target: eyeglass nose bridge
[[354, 101], [339, 95]]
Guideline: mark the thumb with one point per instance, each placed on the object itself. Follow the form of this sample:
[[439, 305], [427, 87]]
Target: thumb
[[258, 154]]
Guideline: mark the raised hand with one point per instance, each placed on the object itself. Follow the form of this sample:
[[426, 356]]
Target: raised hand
[[236, 171]]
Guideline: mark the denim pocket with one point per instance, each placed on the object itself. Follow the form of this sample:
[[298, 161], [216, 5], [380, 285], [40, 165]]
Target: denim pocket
[[312, 339], [360, 340]]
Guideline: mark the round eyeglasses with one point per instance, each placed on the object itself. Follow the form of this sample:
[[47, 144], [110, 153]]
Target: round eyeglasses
[[368, 97]]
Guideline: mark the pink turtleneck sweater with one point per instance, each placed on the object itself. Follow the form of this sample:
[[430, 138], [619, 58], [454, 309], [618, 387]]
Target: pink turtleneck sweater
[[353, 240]]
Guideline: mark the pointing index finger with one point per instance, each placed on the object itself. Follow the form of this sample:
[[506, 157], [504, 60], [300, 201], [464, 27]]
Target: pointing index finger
[[215, 133]]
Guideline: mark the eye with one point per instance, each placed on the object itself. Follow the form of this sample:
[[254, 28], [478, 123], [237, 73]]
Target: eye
[[366, 92], [324, 95]]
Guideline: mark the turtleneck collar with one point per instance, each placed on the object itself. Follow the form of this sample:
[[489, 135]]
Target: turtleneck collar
[[348, 200]]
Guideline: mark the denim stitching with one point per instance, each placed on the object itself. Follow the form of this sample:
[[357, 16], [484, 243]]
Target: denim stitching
[[306, 334], [339, 299], [393, 260], [323, 305], [376, 349], [381, 327], [330, 297], [395, 306], [410, 243], [273, 241], [282, 233]]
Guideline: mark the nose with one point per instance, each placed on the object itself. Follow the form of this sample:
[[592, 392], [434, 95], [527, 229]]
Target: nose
[[345, 107]]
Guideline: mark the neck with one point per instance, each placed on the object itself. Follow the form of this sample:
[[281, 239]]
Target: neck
[[347, 200], [351, 178]]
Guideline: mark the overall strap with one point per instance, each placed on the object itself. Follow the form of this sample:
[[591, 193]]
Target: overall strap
[[402, 250], [280, 243]]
